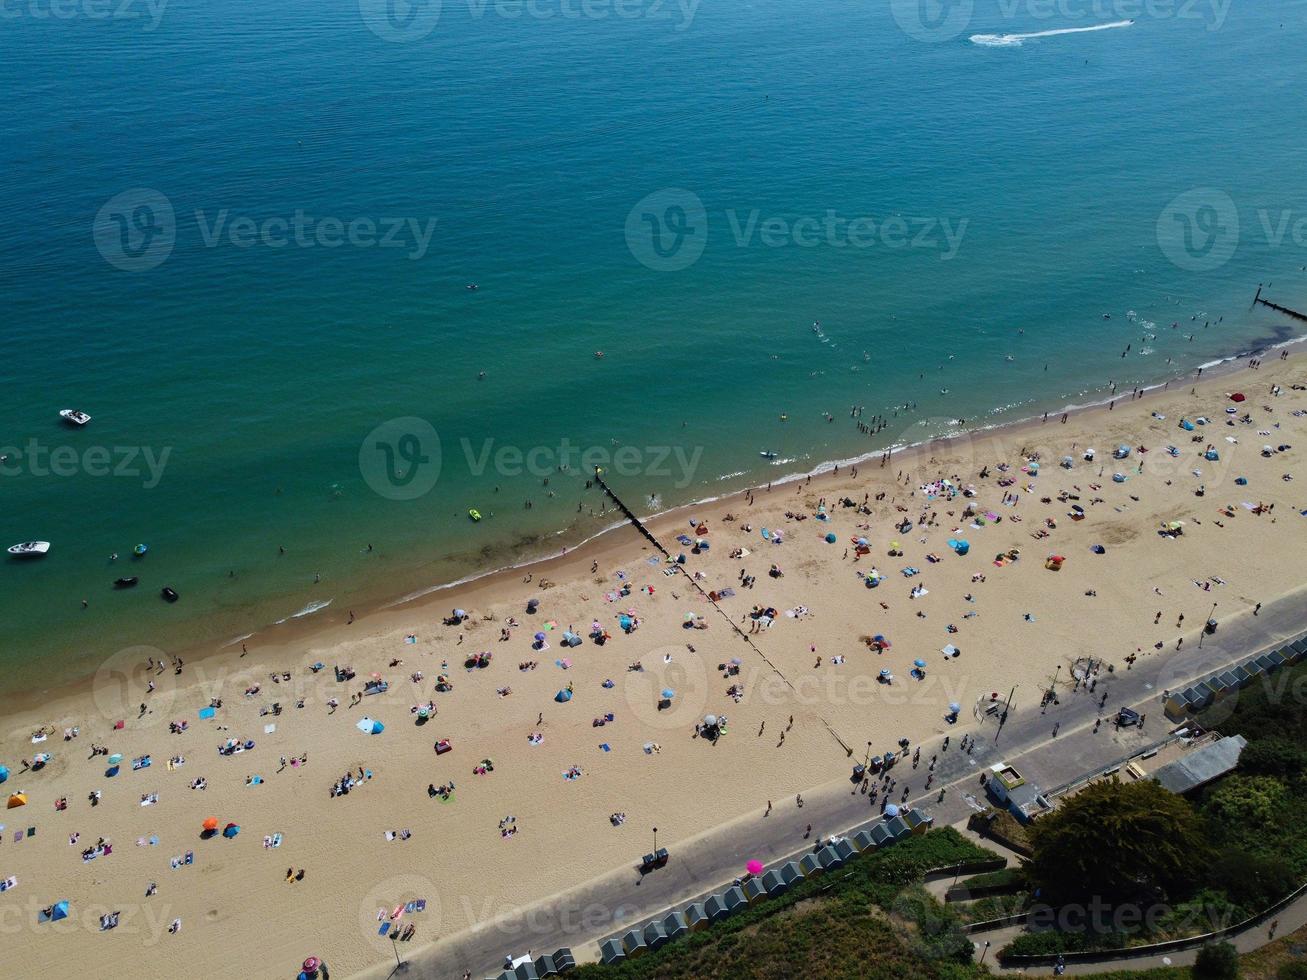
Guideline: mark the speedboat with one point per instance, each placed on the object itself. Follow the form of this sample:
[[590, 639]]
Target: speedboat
[[140, 550], [125, 583], [168, 594], [74, 417], [30, 549]]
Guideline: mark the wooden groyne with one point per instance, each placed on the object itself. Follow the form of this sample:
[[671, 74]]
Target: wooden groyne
[[629, 514], [1276, 306], [698, 587]]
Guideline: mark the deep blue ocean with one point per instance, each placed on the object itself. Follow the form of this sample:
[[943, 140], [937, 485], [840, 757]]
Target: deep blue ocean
[[241, 236]]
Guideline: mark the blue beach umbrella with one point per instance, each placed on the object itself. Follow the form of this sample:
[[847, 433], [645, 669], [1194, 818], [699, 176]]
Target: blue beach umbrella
[[4, 774], [231, 830], [891, 810], [59, 911], [668, 693], [954, 707], [830, 538], [563, 696], [370, 727], [918, 662]]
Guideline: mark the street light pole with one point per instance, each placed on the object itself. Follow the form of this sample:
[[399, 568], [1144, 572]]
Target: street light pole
[[984, 952], [1203, 633], [655, 841]]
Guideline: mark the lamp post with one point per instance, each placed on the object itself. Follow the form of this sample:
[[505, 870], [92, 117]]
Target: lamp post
[[655, 841], [984, 952], [1203, 633]]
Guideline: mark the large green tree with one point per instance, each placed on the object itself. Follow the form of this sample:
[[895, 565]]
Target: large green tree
[[1118, 842]]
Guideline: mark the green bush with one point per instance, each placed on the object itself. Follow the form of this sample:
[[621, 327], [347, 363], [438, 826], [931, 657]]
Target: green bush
[[1293, 970], [1216, 961], [1252, 881]]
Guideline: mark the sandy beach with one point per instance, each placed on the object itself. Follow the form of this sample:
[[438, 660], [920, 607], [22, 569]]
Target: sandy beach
[[537, 779]]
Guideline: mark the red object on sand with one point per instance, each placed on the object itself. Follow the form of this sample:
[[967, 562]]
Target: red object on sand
[[1238, 396]]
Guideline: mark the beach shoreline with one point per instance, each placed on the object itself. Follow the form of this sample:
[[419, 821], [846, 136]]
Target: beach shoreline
[[821, 712], [298, 628]]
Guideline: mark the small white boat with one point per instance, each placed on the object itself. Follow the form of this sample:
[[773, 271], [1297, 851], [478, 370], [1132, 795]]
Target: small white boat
[[30, 549], [74, 417]]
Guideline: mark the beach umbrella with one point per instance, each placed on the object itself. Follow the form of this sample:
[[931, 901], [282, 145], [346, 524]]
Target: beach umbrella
[[60, 911], [231, 830], [18, 799], [884, 672], [423, 712], [459, 613], [891, 810], [710, 721], [369, 727], [754, 867], [540, 638], [830, 538], [689, 617], [210, 823], [919, 662], [954, 707], [563, 696], [668, 693], [114, 759], [736, 661], [4, 774]]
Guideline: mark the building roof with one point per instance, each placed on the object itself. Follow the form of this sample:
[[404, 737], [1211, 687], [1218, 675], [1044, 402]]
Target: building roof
[[1201, 766]]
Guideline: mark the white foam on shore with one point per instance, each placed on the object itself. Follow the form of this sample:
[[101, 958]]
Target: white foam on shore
[[825, 467], [308, 610], [1016, 40]]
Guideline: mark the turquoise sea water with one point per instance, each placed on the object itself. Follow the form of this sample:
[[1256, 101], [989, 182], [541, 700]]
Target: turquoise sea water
[[548, 150]]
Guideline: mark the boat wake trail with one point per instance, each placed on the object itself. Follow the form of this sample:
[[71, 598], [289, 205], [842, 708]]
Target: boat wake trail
[[1016, 40]]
